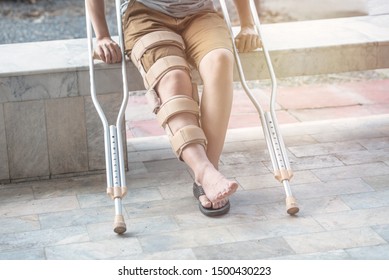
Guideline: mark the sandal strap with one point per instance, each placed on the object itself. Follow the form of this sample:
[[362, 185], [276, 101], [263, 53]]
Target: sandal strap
[[198, 190]]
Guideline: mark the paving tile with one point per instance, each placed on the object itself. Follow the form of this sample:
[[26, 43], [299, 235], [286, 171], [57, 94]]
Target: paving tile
[[68, 186], [16, 193], [372, 91], [379, 183], [144, 128], [377, 252], [364, 156], [367, 200], [258, 197], [38, 206], [307, 206], [382, 230], [318, 96], [30, 254], [315, 162], [274, 228], [234, 217], [245, 250], [241, 169], [180, 254], [77, 217], [164, 207], [258, 145], [19, 224], [133, 195], [331, 188], [333, 240], [298, 140], [334, 113], [376, 143], [136, 168], [328, 204], [268, 180], [326, 148], [98, 250], [135, 227], [353, 219], [330, 255], [185, 239], [158, 179], [352, 171], [244, 157], [34, 240], [176, 191]]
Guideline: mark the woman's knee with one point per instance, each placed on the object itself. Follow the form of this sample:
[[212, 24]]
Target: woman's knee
[[176, 81], [222, 58]]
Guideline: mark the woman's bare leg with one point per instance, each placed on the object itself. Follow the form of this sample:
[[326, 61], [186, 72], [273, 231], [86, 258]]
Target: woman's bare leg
[[215, 185], [216, 70]]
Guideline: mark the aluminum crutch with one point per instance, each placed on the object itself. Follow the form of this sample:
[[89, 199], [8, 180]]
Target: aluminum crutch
[[113, 143], [274, 141]]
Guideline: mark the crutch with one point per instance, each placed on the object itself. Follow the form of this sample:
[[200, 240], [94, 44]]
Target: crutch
[[275, 144], [113, 143]]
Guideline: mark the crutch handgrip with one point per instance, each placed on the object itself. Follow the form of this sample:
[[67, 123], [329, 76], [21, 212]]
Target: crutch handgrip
[[119, 225]]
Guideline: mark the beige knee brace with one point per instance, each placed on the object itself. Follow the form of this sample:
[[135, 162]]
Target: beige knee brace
[[191, 134]]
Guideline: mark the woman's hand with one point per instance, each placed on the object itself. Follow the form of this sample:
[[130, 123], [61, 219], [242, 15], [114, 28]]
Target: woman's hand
[[247, 39], [107, 50]]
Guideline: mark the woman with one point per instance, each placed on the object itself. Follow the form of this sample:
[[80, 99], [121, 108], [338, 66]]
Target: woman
[[165, 39]]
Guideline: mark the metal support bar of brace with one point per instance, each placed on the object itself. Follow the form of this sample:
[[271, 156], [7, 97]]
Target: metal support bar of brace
[[113, 142], [274, 141]]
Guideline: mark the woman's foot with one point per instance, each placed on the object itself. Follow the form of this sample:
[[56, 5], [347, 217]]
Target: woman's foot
[[216, 187], [206, 206]]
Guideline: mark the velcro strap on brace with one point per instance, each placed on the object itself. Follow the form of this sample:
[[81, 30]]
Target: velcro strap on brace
[[187, 135], [154, 39], [176, 105], [162, 66]]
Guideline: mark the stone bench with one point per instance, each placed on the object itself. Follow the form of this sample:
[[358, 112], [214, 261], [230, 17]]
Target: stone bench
[[49, 126]]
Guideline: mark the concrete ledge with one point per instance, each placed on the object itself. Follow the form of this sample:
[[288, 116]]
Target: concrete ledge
[[49, 127], [286, 41]]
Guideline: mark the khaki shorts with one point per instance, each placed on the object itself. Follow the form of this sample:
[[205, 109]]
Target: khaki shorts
[[202, 33]]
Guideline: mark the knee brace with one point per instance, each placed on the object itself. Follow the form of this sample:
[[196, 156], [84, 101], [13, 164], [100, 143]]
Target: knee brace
[[163, 65], [190, 134]]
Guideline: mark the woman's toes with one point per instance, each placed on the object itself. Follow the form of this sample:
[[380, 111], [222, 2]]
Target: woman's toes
[[205, 201]]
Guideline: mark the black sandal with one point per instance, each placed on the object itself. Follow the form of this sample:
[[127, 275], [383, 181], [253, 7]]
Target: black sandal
[[210, 212]]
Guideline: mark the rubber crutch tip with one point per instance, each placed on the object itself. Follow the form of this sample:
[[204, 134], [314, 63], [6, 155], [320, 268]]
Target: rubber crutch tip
[[291, 206], [119, 225]]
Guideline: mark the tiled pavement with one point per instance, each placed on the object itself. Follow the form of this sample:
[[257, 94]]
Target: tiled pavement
[[338, 143]]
